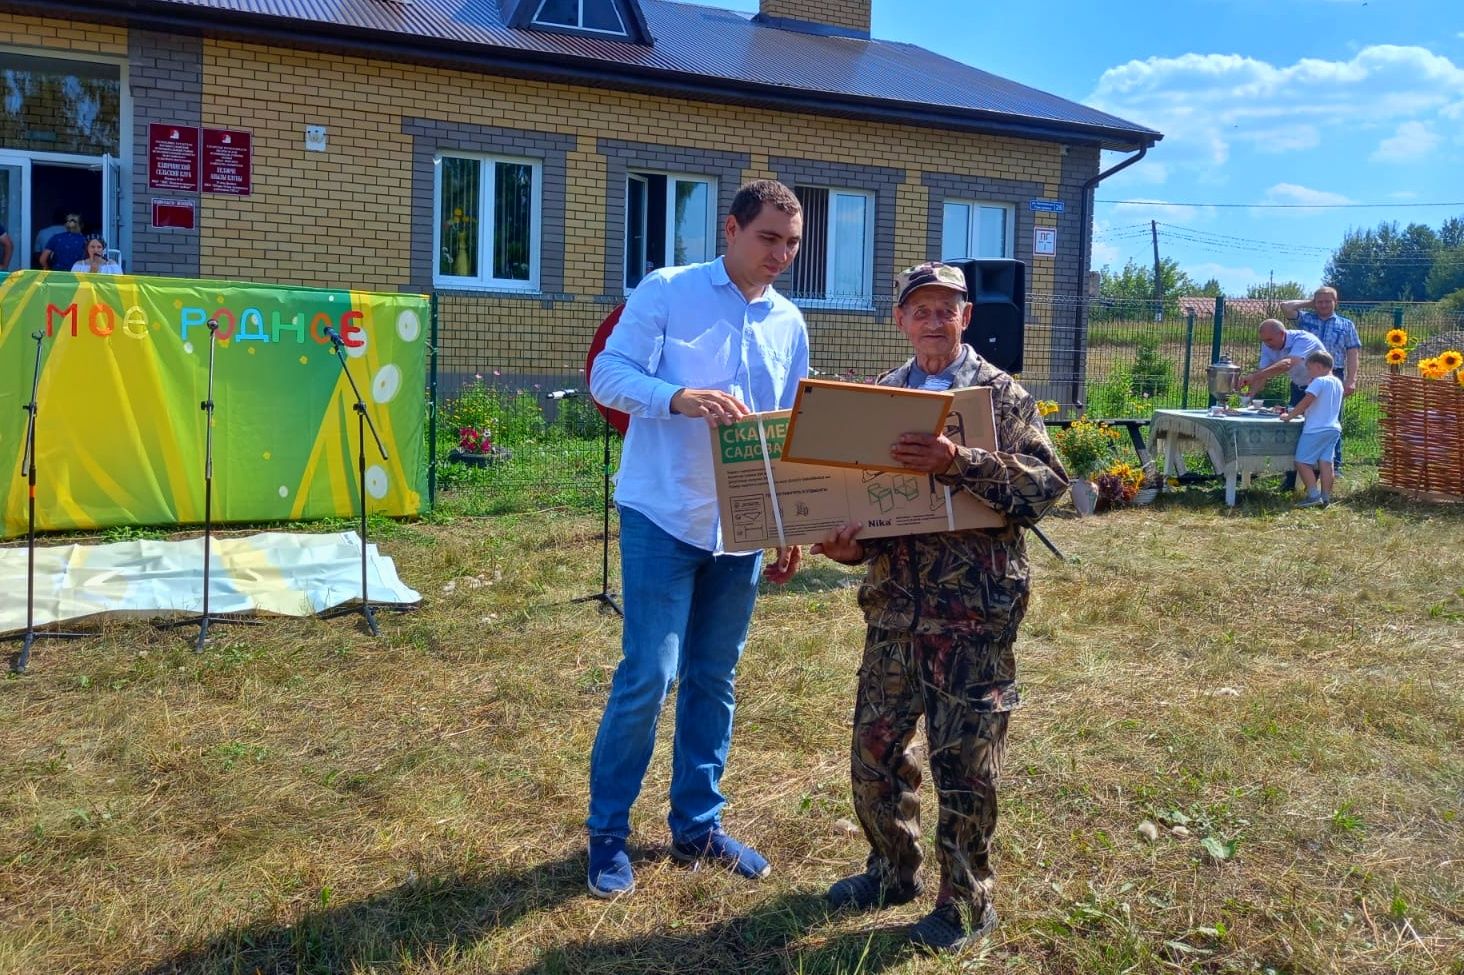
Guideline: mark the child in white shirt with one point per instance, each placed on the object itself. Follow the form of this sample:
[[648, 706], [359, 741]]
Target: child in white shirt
[[1322, 409]]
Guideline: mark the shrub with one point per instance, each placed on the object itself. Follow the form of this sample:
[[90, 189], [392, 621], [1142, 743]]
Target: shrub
[[579, 419], [1114, 397], [1151, 374]]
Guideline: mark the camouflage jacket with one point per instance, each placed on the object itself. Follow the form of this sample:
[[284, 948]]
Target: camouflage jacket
[[974, 581]]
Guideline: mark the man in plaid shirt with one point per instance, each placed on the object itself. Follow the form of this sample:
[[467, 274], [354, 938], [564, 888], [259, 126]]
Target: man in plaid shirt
[[1338, 334]]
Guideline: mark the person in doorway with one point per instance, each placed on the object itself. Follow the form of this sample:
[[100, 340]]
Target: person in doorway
[[696, 345], [44, 235], [96, 260], [63, 250], [942, 612], [7, 247], [1339, 336], [1321, 407], [1283, 350]]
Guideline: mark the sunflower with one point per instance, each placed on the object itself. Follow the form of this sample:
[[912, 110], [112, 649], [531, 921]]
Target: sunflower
[[1430, 369], [1396, 357], [1451, 360], [1397, 338], [1460, 377]]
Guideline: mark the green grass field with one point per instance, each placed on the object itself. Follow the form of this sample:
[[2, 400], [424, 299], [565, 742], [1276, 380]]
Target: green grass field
[[1280, 692]]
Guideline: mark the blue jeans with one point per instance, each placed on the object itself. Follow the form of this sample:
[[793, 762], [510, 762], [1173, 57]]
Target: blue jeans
[[686, 618]]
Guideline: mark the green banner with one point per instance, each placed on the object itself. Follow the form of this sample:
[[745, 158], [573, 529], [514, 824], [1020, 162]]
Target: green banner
[[124, 370]]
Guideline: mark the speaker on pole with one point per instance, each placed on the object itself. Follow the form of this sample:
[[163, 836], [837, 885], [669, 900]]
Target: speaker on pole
[[997, 288]]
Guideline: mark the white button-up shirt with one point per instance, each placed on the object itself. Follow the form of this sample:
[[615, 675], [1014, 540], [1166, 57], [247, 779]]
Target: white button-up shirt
[[691, 328]]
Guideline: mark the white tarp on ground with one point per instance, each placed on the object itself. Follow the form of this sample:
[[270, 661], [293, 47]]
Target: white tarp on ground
[[272, 572]]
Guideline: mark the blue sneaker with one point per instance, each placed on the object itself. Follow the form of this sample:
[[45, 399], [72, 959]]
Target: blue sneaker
[[610, 873], [720, 848]]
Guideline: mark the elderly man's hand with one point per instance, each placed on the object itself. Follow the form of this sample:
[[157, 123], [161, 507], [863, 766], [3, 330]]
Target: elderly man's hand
[[925, 452], [713, 405], [841, 545]]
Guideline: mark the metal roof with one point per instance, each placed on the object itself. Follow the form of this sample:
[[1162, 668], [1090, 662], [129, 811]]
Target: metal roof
[[694, 46]]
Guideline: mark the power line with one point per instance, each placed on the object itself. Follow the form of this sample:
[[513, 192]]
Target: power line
[[1281, 206]]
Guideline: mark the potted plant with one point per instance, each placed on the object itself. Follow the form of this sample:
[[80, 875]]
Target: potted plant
[[1086, 446], [476, 448]]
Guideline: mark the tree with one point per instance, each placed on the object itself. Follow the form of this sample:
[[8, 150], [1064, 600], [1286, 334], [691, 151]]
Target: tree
[[1277, 291], [1129, 293], [1384, 264], [1211, 289]]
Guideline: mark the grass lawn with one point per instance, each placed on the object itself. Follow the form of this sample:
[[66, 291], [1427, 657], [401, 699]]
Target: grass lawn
[[1285, 687]]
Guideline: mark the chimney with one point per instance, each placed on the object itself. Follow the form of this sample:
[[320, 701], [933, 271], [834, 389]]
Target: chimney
[[847, 18]]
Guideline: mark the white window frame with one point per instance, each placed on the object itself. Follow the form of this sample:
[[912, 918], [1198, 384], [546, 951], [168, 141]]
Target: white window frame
[[487, 179], [579, 24], [865, 299], [669, 240], [973, 228]]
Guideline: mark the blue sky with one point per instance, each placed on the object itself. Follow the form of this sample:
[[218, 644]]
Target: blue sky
[[1260, 102]]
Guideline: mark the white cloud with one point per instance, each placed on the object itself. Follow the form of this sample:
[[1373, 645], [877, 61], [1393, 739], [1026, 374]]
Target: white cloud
[[1411, 142], [1403, 195], [1208, 105], [1303, 195]]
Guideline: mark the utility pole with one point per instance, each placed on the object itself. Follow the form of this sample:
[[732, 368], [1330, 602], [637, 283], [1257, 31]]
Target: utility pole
[[1158, 274]]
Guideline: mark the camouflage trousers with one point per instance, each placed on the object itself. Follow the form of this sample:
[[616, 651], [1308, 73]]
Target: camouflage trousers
[[963, 685]]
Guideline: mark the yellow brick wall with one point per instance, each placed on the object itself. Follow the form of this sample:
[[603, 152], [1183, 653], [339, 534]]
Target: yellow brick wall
[[841, 13], [342, 218], [65, 35], [350, 204]]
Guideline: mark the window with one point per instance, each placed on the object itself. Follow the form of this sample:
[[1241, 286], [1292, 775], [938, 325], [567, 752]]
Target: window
[[487, 223], [59, 105], [600, 16], [836, 261], [971, 229], [669, 221]]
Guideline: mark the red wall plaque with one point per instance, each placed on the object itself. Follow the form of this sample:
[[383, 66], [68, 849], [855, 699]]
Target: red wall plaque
[[228, 160], [172, 157], [174, 214]]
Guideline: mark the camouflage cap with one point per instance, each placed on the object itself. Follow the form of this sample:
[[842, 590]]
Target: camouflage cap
[[929, 273]]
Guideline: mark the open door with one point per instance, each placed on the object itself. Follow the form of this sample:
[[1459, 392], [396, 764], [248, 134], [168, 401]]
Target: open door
[[14, 213], [112, 208]]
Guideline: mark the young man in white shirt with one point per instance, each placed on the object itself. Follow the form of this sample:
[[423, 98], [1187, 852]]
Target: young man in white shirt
[[696, 345]]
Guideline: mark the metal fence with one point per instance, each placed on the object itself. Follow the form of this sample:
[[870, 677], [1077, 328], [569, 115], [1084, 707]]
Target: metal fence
[[521, 365]]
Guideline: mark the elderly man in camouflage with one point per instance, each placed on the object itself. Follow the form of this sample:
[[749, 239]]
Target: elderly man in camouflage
[[942, 613]]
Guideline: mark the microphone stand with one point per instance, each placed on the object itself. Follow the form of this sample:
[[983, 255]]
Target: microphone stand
[[205, 618], [363, 423], [604, 597], [28, 471]]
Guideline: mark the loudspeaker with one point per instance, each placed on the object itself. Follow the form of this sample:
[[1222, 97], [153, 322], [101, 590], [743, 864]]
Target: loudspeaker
[[998, 292]]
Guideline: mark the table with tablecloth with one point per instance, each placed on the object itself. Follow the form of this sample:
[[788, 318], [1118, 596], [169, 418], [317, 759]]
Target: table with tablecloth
[[1239, 446]]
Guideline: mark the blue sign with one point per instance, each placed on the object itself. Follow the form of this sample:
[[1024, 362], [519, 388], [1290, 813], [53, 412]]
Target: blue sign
[[1045, 206]]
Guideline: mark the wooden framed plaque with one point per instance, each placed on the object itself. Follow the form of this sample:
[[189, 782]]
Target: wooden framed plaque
[[853, 424]]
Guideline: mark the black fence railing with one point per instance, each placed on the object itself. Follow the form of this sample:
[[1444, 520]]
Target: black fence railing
[[516, 368]]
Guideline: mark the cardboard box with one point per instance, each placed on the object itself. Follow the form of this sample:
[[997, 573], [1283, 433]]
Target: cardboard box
[[813, 499]]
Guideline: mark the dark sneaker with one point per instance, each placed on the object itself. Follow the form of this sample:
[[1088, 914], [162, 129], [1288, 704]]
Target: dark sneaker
[[720, 848], [865, 892], [610, 873], [946, 927]]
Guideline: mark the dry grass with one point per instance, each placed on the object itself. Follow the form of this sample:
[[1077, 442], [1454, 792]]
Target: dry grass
[[301, 798]]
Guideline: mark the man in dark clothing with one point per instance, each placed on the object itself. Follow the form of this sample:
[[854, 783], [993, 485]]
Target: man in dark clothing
[[942, 612]]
